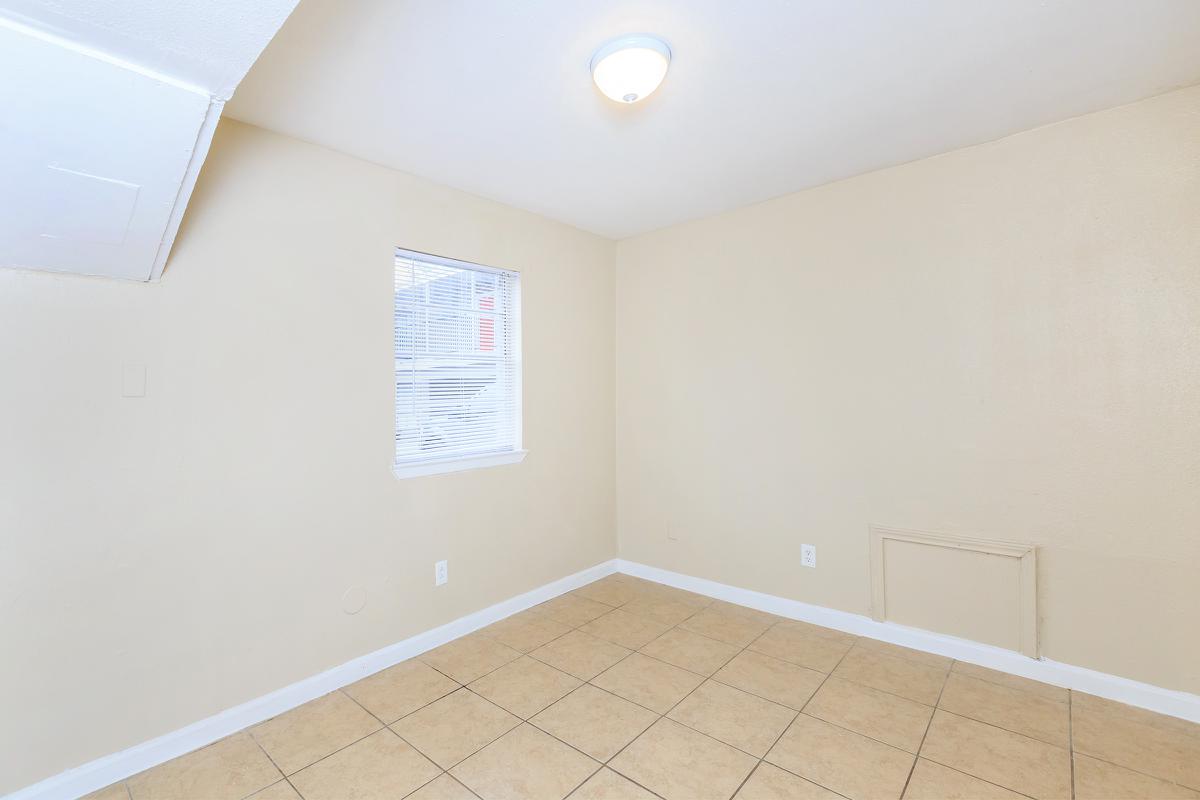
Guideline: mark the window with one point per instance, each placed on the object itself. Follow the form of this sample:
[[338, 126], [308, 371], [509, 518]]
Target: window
[[458, 365]]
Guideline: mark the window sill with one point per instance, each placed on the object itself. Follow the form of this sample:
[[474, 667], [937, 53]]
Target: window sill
[[458, 464]]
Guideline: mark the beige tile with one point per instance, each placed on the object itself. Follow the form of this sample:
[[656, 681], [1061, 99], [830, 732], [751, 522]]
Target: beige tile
[[637, 583], [470, 657], [800, 646], [879, 715], [1120, 712], [1081, 701], [580, 654], [1056, 693], [442, 787], [777, 681], [1025, 765], [226, 770], [379, 767], [743, 720], [890, 674], [455, 727], [1099, 780], [115, 792], [608, 785], [525, 686], [896, 651], [1017, 710], [573, 610], [648, 682], [799, 626], [845, 762], [660, 609], [612, 593], [525, 631], [678, 763], [525, 764], [1141, 740], [691, 651], [742, 611], [276, 791], [595, 721], [724, 626], [769, 782], [314, 730], [665, 592], [931, 781], [628, 630], [400, 690]]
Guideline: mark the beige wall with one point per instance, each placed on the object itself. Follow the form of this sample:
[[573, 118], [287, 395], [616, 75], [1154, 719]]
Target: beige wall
[[1003, 341], [169, 557]]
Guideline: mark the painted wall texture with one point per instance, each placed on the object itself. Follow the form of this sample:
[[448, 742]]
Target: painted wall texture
[[168, 557], [1003, 341]]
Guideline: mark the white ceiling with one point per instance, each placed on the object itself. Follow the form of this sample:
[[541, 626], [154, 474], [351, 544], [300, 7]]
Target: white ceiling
[[764, 97]]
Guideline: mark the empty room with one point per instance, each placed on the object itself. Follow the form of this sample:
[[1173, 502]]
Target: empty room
[[600, 399]]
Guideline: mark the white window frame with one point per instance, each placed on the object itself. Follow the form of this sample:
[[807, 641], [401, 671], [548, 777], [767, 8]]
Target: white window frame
[[458, 463]]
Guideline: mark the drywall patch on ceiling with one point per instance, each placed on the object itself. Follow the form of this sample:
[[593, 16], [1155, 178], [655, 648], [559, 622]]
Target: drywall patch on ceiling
[[84, 208]]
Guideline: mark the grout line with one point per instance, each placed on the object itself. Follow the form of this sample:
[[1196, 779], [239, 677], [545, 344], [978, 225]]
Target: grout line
[[976, 777], [284, 779], [1002, 728], [258, 744], [1171, 781], [928, 725], [869, 686], [294, 789], [798, 775], [996, 683], [1071, 738]]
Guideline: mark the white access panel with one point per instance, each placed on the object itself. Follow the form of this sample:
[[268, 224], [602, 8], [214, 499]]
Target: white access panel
[[93, 155]]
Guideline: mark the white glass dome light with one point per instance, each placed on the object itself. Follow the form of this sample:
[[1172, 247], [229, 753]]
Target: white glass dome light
[[628, 69]]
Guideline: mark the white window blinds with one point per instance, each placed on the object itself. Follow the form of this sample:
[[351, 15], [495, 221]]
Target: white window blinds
[[458, 362]]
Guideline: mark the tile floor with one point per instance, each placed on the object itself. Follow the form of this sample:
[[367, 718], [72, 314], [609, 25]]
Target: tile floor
[[629, 689]]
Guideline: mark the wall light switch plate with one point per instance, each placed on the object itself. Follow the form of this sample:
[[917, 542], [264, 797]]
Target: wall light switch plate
[[133, 380], [441, 573], [808, 555]]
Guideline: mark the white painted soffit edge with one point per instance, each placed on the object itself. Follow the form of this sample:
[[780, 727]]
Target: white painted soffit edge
[[208, 44], [110, 110]]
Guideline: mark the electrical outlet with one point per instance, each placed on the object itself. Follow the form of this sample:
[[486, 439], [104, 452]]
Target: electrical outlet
[[441, 573], [808, 555]]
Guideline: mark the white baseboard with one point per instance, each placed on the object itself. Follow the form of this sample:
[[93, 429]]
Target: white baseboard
[[119, 766], [109, 769], [1143, 695]]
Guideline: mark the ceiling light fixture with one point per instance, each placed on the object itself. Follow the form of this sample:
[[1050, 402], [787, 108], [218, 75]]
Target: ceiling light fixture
[[628, 69]]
